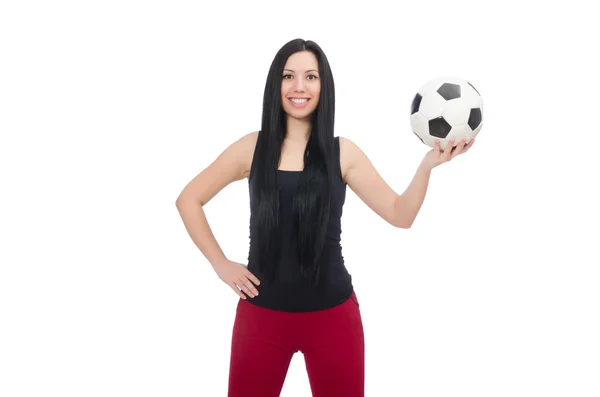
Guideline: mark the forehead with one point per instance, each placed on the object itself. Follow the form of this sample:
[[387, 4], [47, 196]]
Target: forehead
[[302, 61]]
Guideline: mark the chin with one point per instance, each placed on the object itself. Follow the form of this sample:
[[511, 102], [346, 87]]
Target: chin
[[299, 115], [306, 117]]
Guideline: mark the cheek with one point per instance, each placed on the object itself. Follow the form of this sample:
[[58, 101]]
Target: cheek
[[317, 91], [316, 97]]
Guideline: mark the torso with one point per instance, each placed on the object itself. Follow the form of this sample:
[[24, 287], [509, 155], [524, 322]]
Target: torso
[[288, 291]]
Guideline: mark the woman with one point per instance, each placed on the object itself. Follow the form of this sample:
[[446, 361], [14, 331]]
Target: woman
[[295, 293]]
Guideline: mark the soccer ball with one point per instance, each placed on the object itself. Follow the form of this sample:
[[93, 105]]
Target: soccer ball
[[445, 108]]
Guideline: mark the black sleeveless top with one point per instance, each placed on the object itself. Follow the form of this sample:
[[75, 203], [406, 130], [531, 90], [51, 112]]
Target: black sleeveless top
[[289, 291]]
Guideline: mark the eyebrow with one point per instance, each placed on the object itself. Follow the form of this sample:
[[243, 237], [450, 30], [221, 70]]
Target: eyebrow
[[311, 70]]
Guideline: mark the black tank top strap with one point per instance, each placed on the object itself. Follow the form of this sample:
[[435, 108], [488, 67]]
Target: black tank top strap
[[337, 155]]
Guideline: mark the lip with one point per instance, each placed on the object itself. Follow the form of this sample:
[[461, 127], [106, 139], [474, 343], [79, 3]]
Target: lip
[[298, 105]]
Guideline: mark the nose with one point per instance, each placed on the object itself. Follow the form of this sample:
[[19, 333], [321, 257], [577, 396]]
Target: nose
[[299, 85]]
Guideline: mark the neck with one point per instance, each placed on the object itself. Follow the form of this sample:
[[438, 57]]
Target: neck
[[298, 130]]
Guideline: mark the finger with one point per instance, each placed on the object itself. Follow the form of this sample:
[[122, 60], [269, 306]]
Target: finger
[[249, 287], [469, 145], [459, 148], [246, 286], [448, 150], [239, 284], [436, 147], [236, 289], [252, 278]]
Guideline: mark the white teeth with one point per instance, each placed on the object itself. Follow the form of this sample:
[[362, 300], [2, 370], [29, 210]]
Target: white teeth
[[298, 101]]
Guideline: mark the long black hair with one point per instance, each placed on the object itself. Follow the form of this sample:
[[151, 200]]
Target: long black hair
[[311, 204]]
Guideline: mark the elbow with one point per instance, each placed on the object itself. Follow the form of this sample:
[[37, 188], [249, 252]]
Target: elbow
[[402, 222], [402, 216], [181, 200], [184, 199], [399, 217], [403, 225]]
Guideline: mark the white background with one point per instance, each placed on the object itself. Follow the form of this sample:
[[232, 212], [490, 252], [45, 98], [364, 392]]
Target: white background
[[107, 110]]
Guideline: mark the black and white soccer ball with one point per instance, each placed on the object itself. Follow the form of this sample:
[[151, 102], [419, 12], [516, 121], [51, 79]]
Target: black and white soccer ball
[[445, 108]]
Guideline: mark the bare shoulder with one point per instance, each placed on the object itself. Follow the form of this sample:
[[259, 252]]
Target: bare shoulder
[[350, 154], [239, 154], [232, 164], [247, 145]]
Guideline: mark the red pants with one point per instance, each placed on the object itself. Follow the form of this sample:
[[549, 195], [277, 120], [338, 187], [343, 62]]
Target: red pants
[[264, 341]]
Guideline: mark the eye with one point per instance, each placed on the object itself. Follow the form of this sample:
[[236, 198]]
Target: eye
[[285, 76], [313, 77]]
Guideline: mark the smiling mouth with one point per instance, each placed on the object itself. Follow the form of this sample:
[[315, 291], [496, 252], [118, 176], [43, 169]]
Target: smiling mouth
[[298, 101]]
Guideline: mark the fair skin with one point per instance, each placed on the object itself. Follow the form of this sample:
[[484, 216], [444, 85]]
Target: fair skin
[[301, 80]]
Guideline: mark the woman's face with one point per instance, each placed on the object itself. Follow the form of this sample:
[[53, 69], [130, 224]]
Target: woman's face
[[301, 85]]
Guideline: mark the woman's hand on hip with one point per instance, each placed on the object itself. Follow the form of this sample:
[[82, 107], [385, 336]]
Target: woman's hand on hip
[[237, 276]]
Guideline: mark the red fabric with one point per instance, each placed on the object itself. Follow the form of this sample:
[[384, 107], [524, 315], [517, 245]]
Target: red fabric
[[264, 341]]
